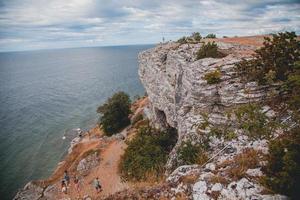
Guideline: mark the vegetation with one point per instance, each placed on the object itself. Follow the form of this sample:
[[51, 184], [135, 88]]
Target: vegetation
[[237, 167], [211, 35], [194, 38], [213, 77], [147, 153], [277, 63], [254, 122], [115, 113], [282, 170], [189, 154], [182, 40], [277, 56], [209, 50]]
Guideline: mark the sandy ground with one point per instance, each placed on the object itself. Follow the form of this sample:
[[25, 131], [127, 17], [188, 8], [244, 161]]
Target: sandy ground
[[107, 172], [111, 151]]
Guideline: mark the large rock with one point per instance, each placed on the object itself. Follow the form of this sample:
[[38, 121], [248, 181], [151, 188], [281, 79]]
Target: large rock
[[178, 93], [88, 163], [30, 191]]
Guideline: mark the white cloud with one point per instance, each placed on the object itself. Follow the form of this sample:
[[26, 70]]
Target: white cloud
[[27, 24]]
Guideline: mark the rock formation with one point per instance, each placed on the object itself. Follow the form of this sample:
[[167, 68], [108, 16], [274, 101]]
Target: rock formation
[[178, 93]]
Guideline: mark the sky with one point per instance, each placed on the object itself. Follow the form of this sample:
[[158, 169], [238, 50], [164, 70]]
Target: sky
[[49, 24]]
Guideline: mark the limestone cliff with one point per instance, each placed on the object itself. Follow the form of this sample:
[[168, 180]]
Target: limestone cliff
[[178, 93], [179, 96]]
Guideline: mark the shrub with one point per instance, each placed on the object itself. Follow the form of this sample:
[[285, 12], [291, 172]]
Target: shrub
[[278, 55], [189, 154], [182, 40], [146, 154], [283, 168], [115, 113], [196, 36], [292, 87], [254, 122], [211, 35], [213, 77], [209, 50]]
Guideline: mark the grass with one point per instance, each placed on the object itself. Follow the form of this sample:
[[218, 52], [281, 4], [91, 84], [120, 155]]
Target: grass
[[237, 167]]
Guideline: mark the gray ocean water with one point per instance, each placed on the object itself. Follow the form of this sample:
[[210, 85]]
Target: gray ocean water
[[45, 93]]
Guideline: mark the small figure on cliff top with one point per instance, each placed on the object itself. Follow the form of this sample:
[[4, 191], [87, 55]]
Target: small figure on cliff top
[[97, 185]]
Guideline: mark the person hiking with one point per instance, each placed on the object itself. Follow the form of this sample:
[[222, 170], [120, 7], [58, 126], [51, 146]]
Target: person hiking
[[76, 184], [97, 185], [63, 187], [66, 178]]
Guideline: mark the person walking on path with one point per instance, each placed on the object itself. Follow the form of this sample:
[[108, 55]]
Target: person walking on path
[[76, 184], [67, 178], [63, 187], [97, 185]]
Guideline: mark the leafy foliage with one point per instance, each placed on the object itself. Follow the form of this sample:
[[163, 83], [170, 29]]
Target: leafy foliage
[[282, 170], [277, 56], [213, 77], [182, 40], [211, 35], [115, 113], [254, 122], [209, 50], [292, 87], [147, 153], [196, 36], [189, 154]]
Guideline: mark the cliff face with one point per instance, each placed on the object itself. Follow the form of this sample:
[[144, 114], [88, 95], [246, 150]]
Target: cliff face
[[180, 97], [179, 94]]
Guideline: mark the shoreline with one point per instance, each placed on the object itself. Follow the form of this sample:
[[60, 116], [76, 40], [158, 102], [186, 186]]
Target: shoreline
[[92, 140]]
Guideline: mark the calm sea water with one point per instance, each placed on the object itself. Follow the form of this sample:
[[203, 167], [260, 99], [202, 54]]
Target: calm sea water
[[45, 93]]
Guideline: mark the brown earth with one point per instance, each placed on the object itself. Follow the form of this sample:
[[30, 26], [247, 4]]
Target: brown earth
[[111, 150]]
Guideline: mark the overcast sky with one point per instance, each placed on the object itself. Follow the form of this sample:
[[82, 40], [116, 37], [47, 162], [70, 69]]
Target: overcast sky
[[40, 24]]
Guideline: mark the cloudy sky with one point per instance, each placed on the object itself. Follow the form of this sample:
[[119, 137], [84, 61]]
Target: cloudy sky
[[42, 24]]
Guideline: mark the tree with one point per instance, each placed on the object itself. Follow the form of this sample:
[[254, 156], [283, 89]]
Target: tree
[[278, 56], [209, 50], [115, 113], [211, 35], [196, 36]]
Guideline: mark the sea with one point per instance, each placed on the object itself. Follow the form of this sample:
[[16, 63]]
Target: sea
[[45, 94]]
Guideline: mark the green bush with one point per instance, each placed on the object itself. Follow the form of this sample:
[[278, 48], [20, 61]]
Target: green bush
[[283, 168], [213, 77], [115, 113], [254, 122], [292, 87], [278, 54], [196, 36], [211, 35], [189, 154], [209, 50], [182, 40], [147, 154]]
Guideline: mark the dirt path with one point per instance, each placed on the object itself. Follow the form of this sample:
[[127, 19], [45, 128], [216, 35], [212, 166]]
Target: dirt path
[[107, 171]]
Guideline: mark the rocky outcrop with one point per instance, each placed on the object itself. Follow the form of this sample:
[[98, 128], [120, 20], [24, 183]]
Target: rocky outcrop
[[30, 191], [88, 163], [178, 93], [180, 97]]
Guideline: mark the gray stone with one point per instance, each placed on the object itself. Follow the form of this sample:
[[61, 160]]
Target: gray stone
[[217, 187], [179, 95], [30, 191], [88, 163]]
